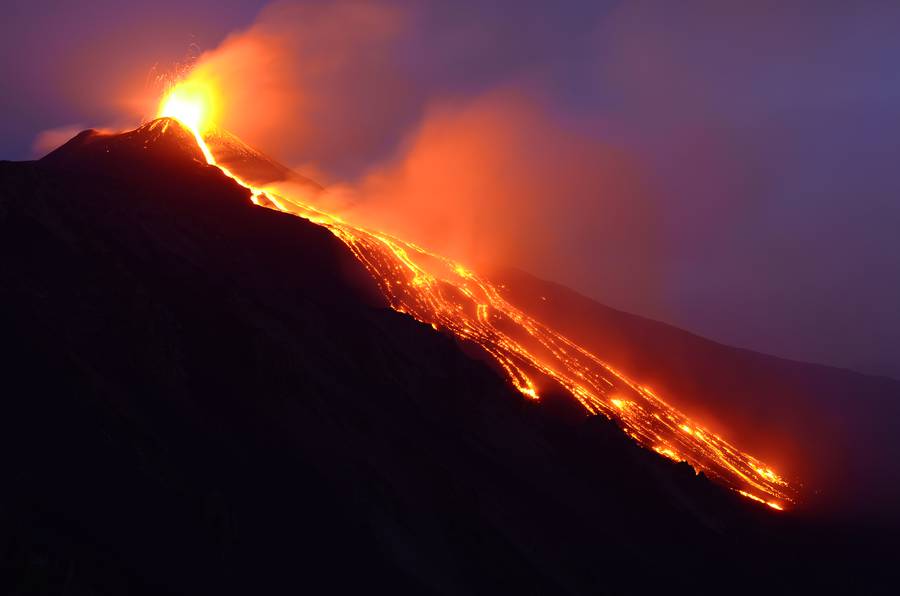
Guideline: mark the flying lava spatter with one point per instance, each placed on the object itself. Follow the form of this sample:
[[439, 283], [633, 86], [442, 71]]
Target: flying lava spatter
[[448, 296]]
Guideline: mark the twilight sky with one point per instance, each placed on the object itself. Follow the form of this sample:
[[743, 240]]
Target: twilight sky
[[733, 171]]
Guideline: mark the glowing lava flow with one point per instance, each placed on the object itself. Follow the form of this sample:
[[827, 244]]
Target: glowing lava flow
[[448, 296]]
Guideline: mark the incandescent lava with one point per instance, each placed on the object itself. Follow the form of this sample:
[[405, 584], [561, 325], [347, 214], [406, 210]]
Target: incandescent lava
[[453, 298]]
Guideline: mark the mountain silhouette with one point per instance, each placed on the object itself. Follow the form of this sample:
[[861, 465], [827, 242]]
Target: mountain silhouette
[[206, 396]]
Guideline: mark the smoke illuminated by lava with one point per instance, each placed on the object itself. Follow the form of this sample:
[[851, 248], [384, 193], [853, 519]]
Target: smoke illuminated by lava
[[193, 102], [453, 298]]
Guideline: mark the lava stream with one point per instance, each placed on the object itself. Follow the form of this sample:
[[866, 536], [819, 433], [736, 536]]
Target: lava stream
[[451, 297]]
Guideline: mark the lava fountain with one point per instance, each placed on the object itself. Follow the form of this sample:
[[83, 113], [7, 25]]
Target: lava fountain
[[453, 298]]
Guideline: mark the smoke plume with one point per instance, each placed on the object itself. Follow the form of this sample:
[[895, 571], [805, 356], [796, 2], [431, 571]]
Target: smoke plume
[[485, 172]]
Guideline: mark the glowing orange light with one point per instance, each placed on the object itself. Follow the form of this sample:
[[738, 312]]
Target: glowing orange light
[[667, 452], [448, 296], [753, 497], [192, 103]]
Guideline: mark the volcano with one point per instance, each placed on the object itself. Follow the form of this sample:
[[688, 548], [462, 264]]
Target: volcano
[[207, 396]]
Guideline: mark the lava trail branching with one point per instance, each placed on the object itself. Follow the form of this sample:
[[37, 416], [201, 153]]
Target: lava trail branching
[[453, 298]]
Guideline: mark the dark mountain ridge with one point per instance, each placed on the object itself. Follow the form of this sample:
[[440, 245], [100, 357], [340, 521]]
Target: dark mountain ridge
[[204, 396]]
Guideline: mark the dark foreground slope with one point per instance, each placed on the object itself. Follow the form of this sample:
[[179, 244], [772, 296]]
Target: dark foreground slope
[[203, 396]]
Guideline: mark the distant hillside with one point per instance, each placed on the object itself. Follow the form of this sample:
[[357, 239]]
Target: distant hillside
[[836, 430]]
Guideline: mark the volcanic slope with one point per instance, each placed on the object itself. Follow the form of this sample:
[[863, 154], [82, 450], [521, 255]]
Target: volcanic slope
[[205, 396], [836, 430]]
